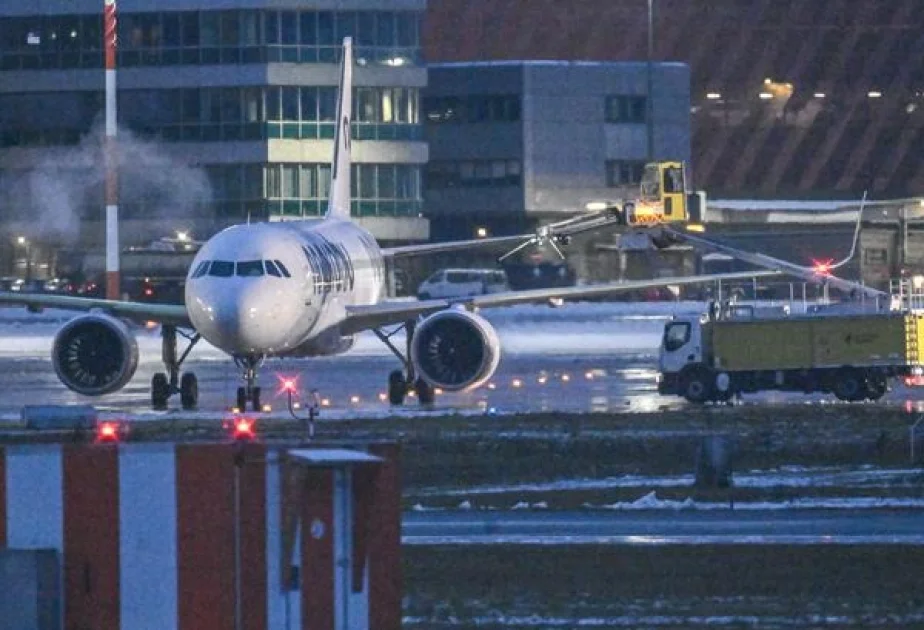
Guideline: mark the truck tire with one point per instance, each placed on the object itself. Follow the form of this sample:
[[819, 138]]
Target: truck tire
[[696, 385], [849, 385], [876, 386]]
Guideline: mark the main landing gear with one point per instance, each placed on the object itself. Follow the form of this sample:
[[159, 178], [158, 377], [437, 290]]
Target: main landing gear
[[401, 382], [250, 393], [164, 385]]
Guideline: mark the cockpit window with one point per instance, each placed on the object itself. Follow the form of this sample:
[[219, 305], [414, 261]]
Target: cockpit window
[[282, 268], [221, 269], [272, 269], [250, 268], [202, 269]]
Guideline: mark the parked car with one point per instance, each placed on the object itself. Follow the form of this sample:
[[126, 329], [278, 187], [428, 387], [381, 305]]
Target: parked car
[[462, 282]]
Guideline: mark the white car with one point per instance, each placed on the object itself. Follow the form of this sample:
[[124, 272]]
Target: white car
[[448, 283]]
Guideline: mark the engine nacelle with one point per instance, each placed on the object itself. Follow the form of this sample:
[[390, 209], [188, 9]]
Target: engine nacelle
[[95, 354], [455, 350]]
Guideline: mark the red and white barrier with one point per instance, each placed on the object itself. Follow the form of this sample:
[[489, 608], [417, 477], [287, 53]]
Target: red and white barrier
[[194, 536]]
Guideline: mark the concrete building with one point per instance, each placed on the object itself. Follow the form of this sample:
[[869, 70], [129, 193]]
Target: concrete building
[[224, 115], [515, 142]]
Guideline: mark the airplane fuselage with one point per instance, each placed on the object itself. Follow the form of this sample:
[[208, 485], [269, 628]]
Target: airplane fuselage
[[271, 289]]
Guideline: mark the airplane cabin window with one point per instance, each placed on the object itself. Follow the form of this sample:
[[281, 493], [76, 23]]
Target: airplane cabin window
[[282, 268], [272, 269], [250, 268], [202, 269], [221, 269]]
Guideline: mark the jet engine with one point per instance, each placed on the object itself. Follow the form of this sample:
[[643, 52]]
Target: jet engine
[[94, 354], [455, 350]]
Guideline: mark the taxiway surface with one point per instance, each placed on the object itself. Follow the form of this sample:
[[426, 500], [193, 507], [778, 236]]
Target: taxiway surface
[[581, 357], [457, 527]]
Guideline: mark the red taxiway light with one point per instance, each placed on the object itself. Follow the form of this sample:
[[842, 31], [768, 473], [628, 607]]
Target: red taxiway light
[[287, 384], [242, 429], [822, 267], [109, 431]]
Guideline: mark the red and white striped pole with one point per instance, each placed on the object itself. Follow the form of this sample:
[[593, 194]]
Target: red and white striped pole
[[113, 282]]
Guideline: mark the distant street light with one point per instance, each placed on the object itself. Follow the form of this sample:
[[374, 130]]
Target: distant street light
[[22, 241]]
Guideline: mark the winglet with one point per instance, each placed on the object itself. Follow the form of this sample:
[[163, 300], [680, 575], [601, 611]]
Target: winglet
[[339, 204]]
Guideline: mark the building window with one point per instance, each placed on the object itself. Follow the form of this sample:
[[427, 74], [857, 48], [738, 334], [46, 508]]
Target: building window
[[211, 114], [377, 189], [473, 109], [625, 109], [389, 38], [875, 256], [624, 172], [473, 173]]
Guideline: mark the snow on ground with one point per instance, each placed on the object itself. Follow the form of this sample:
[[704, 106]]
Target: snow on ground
[[651, 501], [669, 621], [785, 477], [616, 539]]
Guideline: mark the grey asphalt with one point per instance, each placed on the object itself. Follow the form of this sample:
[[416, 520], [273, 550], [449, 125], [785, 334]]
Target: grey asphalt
[[660, 527]]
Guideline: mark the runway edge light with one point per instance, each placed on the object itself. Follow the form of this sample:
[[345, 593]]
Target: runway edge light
[[110, 431], [241, 429]]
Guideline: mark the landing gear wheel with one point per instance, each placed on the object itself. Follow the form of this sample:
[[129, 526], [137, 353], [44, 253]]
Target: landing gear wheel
[[397, 387], [849, 385], [241, 399], [189, 391], [425, 394], [160, 391], [697, 386], [255, 399]]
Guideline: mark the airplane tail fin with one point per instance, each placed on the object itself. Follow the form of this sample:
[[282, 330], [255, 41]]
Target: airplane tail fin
[[339, 203]]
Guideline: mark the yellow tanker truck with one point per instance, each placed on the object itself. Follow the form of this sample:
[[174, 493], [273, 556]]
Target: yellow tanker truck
[[708, 358]]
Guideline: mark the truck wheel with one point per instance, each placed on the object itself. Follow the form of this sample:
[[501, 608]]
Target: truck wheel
[[876, 387], [849, 385], [697, 386]]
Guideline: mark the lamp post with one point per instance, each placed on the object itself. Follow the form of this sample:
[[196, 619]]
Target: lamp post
[[23, 242], [649, 118]]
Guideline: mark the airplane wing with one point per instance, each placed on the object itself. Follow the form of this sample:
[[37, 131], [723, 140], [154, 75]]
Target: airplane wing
[[136, 311], [361, 318], [809, 274], [552, 232]]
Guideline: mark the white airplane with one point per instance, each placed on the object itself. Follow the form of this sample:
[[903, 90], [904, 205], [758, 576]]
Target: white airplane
[[303, 289]]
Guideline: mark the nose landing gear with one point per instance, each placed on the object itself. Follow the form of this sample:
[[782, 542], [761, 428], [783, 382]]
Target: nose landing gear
[[250, 393], [164, 385]]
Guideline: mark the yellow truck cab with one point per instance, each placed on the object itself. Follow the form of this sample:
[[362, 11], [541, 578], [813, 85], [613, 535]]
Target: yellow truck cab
[[854, 356], [663, 197]]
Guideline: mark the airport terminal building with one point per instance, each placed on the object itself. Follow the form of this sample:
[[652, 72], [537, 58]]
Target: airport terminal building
[[225, 115]]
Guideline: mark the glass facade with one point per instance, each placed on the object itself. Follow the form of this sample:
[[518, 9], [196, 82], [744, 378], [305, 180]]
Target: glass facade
[[482, 108], [390, 38], [294, 190], [473, 173], [211, 114], [238, 192]]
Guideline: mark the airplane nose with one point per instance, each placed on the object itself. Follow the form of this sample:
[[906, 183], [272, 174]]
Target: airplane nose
[[250, 318]]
